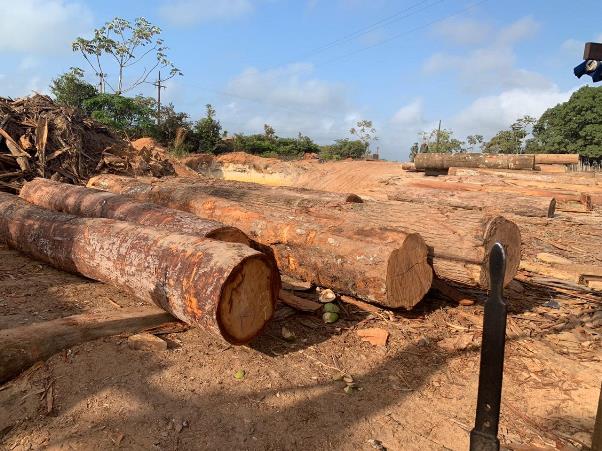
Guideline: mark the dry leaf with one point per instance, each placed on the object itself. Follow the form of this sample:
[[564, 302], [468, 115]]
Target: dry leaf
[[374, 335]]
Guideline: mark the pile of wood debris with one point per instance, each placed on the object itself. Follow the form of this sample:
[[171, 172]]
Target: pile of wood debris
[[39, 138]]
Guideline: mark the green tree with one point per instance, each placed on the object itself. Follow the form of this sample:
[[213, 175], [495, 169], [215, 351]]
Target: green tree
[[71, 89], [441, 141], [343, 148], [208, 131], [414, 151], [132, 116], [512, 140], [473, 141], [121, 46], [269, 131], [574, 126], [365, 132], [173, 124]]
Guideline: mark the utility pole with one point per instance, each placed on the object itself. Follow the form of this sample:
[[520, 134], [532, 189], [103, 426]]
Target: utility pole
[[159, 87], [438, 133]]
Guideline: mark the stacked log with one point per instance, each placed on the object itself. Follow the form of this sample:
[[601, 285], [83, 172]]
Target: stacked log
[[542, 207], [227, 287], [579, 178], [559, 194], [444, 161], [556, 158], [81, 201], [459, 241], [381, 265]]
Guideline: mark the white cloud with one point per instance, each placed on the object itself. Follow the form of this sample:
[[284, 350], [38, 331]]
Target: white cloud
[[410, 114], [289, 98], [41, 26], [192, 12], [290, 86], [491, 66], [518, 31], [489, 114], [463, 31]]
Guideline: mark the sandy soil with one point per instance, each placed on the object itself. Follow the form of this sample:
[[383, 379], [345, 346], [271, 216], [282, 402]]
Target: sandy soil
[[417, 392]]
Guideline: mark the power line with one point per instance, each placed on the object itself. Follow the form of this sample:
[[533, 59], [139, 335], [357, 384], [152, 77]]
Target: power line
[[403, 33], [382, 22]]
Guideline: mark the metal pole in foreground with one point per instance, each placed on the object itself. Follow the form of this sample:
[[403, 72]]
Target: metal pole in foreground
[[483, 437]]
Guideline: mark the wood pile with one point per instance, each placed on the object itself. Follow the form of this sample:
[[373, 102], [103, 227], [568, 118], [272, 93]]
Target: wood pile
[[458, 241], [222, 286], [39, 138], [534, 162]]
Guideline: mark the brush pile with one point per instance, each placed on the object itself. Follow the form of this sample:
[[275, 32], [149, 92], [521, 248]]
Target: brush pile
[[39, 138]]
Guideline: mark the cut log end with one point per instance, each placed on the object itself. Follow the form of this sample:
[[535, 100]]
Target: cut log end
[[248, 300], [409, 276], [230, 235], [508, 234]]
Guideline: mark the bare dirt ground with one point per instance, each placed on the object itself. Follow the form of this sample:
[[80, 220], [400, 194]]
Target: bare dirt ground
[[417, 392]]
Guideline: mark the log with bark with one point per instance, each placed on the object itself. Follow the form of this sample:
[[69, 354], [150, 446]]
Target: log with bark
[[556, 158], [23, 346], [90, 203], [226, 287], [459, 241], [378, 264], [491, 202], [560, 195], [551, 168], [438, 161], [578, 178]]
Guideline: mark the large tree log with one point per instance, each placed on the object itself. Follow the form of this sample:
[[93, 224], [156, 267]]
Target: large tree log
[[226, 287], [25, 345], [89, 203], [556, 158], [452, 186], [551, 168], [542, 207], [577, 178], [459, 241], [432, 161], [378, 264]]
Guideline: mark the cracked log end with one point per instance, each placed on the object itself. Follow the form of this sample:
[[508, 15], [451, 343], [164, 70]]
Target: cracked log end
[[248, 299], [409, 276], [507, 233]]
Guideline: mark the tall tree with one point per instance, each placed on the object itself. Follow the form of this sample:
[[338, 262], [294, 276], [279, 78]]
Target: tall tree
[[71, 89], [208, 130], [365, 132], [474, 141], [445, 143], [124, 46], [513, 140], [574, 126]]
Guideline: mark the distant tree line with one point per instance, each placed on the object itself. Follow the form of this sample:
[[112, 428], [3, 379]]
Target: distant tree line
[[574, 126]]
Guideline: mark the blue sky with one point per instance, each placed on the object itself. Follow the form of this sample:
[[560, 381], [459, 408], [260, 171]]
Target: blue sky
[[317, 66]]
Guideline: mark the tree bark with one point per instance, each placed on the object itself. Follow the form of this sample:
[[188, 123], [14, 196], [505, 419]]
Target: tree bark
[[89, 203], [556, 158], [551, 168], [25, 345], [459, 241], [378, 264], [578, 178], [225, 287], [433, 161], [488, 187], [542, 207]]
